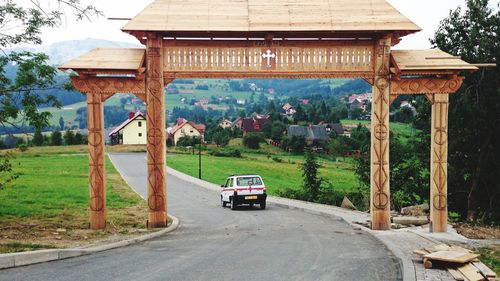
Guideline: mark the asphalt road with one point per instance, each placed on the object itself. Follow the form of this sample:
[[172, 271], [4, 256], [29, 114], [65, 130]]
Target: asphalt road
[[213, 243]]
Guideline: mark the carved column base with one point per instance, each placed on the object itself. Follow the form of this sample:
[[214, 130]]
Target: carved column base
[[157, 220]]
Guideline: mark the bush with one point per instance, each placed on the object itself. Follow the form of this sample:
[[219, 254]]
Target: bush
[[226, 153], [252, 140], [69, 138], [292, 193], [277, 159], [38, 138], [22, 147], [294, 143], [187, 141], [328, 195], [56, 138], [81, 139]]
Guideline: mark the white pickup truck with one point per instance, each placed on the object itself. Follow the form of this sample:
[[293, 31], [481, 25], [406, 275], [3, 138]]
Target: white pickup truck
[[243, 189]]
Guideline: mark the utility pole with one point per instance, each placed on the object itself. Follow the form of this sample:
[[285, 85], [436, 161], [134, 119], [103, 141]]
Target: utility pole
[[199, 160]]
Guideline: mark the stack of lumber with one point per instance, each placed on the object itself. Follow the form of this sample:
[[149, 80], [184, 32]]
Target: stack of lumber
[[461, 263]]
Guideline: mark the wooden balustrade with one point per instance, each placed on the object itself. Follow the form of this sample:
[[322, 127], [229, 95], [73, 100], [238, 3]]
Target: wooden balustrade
[[264, 59]]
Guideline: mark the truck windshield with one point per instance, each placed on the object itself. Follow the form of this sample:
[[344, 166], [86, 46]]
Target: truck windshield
[[246, 181]]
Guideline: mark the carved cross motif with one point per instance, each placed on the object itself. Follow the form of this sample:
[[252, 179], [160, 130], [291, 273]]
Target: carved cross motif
[[268, 55]]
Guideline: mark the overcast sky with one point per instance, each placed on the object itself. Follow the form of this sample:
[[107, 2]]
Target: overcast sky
[[425, 13]]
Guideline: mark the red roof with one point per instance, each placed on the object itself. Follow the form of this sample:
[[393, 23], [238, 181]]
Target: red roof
[[126, 122], [360, 98], [181, 122]]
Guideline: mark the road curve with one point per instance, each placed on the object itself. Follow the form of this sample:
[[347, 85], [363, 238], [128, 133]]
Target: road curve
[[213, 243]]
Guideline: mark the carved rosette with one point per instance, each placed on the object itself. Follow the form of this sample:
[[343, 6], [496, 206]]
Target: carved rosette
[[96, 160], [155, 99], [439, 162], [379, 180]]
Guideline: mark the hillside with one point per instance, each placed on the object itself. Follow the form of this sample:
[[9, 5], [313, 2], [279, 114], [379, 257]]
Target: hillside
[[63, 51]]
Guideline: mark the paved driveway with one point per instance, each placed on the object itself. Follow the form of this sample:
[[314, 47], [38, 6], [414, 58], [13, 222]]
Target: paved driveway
[[213, 243]]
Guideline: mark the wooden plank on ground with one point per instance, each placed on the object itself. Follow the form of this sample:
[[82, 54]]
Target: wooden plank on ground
[[456, 274], [436, 248], [470, 272], [420, 252], [486, 271], [451, 256], [460, 249]]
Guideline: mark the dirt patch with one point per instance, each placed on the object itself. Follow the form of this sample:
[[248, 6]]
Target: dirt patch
[[477, 231]]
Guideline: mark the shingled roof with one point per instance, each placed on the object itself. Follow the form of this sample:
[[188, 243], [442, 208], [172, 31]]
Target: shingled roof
[[314, 132], [276, 15]]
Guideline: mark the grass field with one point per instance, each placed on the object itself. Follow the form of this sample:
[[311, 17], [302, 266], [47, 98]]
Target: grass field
[[286, 174], [401, 129], [52, 193]]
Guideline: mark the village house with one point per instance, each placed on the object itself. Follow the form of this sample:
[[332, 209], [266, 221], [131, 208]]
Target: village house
[[251, 124], [289, 109], [237, 123], [333, 129], [201, 102], [131, 131], [311, 133], [184, 128], [224, 124], [408, 105], [360, 101]]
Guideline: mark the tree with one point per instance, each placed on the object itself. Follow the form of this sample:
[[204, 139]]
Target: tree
[[38, 138], [277, 130], [187, 141], [355, 113], [69, 138], [80, 139], [23, 24], [221, 138], [7, 173], [56, 138], [252, 140], [300, 114], [312, 182], [61, 123], [473, 185]]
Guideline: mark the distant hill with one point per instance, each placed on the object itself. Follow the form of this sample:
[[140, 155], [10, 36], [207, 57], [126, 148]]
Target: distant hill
[[64, 51]]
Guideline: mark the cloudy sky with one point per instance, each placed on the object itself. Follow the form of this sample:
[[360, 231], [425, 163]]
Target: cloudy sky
[[425, 13]]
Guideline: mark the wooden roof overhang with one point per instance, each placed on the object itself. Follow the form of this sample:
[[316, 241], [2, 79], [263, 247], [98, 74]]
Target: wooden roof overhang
[[426, 72], [109, 71], [259, 19]]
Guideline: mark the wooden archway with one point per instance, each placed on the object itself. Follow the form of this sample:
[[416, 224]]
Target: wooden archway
[[195, 51]]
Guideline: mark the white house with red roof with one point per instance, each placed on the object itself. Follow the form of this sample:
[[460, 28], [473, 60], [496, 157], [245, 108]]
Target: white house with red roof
[[131, 131], [184, 128]]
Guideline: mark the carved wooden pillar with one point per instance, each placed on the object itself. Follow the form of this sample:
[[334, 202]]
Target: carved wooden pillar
[[95, 124], [155, 99], [439, 162], [379, 161]]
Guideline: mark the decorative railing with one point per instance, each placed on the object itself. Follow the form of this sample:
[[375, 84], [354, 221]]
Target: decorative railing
[[258, 59]]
